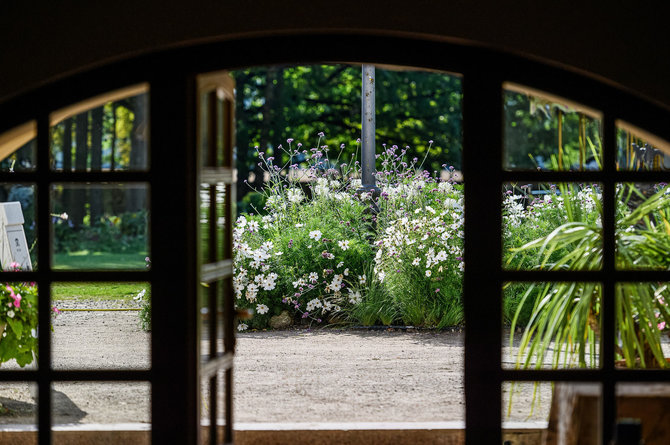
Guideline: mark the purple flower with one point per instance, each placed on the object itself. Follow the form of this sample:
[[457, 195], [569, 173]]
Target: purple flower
[[321, 134]]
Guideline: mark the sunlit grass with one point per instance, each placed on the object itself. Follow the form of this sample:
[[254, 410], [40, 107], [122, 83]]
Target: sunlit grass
[[96, 291], [84, 259]]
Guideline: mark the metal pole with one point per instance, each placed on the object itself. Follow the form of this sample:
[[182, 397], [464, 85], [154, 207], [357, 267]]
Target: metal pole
[[368, 130]]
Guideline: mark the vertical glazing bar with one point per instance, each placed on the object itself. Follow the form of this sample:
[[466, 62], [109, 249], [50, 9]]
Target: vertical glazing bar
[[43, 283], [174, 184], [228, 292], [213, 414], [482, 164], [212, 290], [609, 244]]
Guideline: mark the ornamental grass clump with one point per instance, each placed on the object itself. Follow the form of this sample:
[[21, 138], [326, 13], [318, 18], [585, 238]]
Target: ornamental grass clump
[[314, 249], [564, 324]]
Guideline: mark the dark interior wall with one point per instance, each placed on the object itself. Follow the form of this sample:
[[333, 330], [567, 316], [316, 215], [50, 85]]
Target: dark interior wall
[[626, 45]]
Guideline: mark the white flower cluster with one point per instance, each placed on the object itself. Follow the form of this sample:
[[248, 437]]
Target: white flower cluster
[[425, 239]]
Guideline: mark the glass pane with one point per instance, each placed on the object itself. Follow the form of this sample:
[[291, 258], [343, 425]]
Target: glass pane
[[643, 227], [638, 150], [207, 343], [643, 325], [18, 412], [552, 226], [642, 411], [101, 325], [18, 325], [221, 403], [220, 303], [18, 148], [101, 226], [545, 132], [207, 194], [213, 123], [225, 108], [110, 406], [106, 133], [551, 325], [19, 237], [563, 412]]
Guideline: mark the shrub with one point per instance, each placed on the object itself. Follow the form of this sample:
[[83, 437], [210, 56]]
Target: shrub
[[126, 232]]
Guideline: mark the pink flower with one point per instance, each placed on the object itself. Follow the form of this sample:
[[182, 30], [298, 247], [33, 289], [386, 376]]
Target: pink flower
[[17, 300], [56, 310], [661, 326]]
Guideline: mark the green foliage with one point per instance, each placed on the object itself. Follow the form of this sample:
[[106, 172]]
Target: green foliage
[[565, 322], [532, 135], [144, 298], [329, 253], [125, 233], [277, 102], [18, 322]]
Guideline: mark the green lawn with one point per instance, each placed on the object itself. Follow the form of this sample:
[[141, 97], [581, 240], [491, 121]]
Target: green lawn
[[98, 261], [96, 290]]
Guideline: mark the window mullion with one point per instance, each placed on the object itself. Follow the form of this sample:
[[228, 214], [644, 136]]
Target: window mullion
[[43, 282], [608, 303], [482, 163]]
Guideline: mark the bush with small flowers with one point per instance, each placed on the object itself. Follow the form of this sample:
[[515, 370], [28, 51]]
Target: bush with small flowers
[[18, 321]]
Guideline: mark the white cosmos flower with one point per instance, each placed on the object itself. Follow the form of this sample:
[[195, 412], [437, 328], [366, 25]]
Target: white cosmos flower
[[313, 304], [313, 276], [242, 327], [344, 245], [295, 195], [315, 235], [354, 297], [10, 314], [428, 272], [262, 309], [361, 279], [253, 226], [416, 262]]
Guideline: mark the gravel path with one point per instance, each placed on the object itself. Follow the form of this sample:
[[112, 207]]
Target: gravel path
[[285, 376]]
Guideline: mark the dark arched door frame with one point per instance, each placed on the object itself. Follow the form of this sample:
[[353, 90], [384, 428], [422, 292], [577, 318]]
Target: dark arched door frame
[[173, 179]]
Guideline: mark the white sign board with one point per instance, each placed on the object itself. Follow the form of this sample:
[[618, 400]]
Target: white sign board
[[13, 244]]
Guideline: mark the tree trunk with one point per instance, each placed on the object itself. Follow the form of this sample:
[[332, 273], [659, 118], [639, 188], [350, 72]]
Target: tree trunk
[[78, 209], [96, 163], [272, 87], [135, 197], [67, 197]]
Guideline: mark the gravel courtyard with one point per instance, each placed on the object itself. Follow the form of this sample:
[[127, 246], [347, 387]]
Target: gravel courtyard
[[281, 376]]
